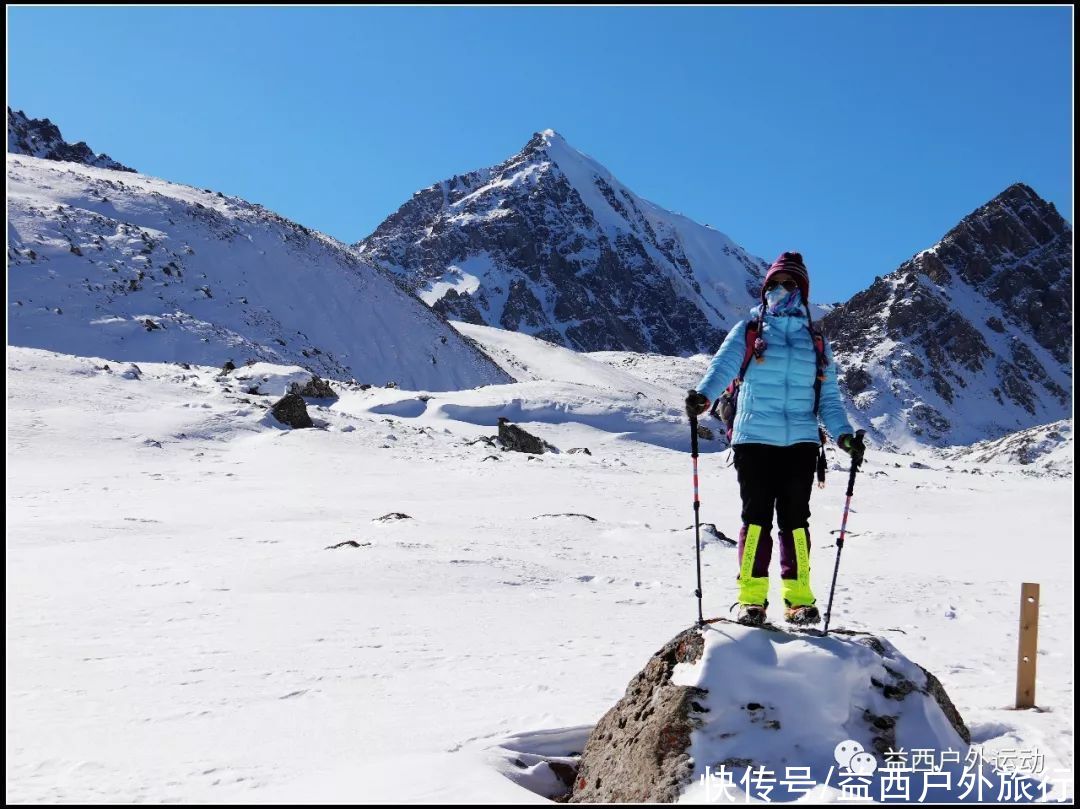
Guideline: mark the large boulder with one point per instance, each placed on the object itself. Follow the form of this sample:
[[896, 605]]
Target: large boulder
[[291, 409], [640, 750], [515, 438], [737, 697]]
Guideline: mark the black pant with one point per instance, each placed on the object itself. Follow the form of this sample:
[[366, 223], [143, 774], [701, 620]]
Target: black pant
[[779, 478]]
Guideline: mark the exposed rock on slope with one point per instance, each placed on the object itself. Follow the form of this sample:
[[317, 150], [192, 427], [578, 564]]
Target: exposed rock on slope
[[40, 137], [1046, 448]]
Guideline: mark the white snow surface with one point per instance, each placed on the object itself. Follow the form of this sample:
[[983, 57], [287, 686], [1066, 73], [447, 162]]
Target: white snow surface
[[126, 266], [178, 629], [456, 279], [528, 358]]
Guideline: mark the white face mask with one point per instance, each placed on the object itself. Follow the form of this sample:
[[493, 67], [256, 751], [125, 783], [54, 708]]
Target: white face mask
[[776, 296]]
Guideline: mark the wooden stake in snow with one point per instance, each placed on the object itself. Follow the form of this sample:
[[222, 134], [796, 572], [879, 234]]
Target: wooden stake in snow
[[1028, 646]]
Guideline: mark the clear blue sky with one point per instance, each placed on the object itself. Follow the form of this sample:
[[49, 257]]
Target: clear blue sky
[[857, 135]]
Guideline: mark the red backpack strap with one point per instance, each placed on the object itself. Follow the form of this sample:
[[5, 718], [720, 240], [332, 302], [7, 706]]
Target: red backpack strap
[[753, 330]]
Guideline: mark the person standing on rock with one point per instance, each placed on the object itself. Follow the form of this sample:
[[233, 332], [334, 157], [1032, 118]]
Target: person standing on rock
[[788, 382]]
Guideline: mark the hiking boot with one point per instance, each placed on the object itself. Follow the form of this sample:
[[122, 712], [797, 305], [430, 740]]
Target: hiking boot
[[802, 615], [751, 614]]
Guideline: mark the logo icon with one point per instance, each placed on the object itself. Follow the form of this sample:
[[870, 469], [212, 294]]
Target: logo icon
[[850, 755]]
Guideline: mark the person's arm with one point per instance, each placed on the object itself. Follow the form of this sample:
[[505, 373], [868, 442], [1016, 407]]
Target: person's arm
[[725, 364], [831, 407]]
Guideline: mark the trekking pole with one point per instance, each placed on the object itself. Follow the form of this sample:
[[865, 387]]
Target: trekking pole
[[697, 521], [840, 541]]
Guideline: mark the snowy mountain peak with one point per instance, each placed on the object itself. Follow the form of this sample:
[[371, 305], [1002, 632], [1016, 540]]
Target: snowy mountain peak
[[544, 139], [551, 244], [40, 137], [1016, 220], [1019, 194], [552, 146], [969, 339]]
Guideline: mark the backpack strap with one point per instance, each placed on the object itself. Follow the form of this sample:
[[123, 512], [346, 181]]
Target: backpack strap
[[753, 329], [818, 338]]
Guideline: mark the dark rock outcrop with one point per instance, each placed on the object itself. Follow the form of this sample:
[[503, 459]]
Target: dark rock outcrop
[[314, 388], [936, 690], [40, 137], [393, 516], [516, 439], [291, 409]]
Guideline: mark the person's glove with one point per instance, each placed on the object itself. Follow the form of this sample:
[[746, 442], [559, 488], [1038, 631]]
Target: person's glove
[[696, 404], [853, 445]]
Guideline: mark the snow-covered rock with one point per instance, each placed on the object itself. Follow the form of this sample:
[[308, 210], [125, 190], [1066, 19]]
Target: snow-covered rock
[[551, 244], [738, 697], [130, 267], [267, 379]]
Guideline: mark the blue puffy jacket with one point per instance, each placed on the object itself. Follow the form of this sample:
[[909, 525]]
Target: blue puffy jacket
[[776, 400]]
